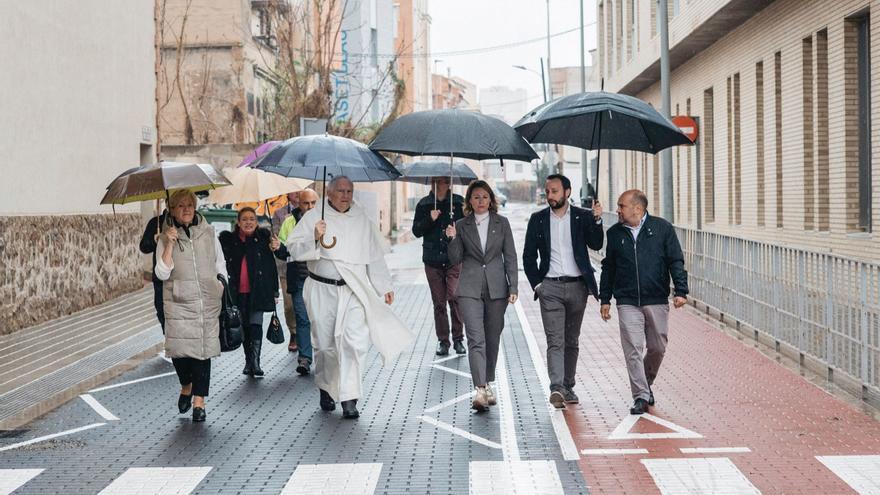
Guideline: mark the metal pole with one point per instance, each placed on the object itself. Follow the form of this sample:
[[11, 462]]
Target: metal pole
[[584, 162], [699, 204], [543, 81], [549, 78], [666, 191]]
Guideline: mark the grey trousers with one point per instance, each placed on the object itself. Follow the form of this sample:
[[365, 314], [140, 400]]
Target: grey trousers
[[640, 327], [562, 312], [483, 323]]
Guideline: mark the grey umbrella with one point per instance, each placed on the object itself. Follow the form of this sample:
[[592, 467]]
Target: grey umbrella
[[308, 156], [424, 173], [599, 120], [452, 132]]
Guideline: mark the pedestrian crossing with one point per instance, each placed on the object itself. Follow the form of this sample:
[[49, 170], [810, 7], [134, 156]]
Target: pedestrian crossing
[[718, 475]]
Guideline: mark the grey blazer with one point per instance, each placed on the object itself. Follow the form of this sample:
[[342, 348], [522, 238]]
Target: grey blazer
[[498, 265]]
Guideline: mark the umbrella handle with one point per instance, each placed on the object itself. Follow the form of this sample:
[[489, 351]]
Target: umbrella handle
[[327, 246]]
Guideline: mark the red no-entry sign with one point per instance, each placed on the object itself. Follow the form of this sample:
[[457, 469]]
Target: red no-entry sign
[[687, 125]]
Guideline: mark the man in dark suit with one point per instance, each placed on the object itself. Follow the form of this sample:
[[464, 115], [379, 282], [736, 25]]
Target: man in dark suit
[[561, 235]]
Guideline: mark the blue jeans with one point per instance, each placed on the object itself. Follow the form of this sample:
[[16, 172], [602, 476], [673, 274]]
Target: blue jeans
[[303, 327]]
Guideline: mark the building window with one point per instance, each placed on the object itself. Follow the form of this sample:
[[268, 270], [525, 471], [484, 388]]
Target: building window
[[737, 153], [777, 108], [655, 21], [634, 25], [822, 112], [857, 69], [618, 34], [759, 138], [809, 186], [250, 103], [374, 47], [709, 154], [395, 19], [689, 202], [603, 56]]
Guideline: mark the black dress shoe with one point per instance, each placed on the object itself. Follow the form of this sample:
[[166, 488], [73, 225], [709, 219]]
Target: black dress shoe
[[199, 414], [327, 402], [571, 397], [442, 349], [639, 407], [651, 398], [349, 409], [184, 402], [459, 347]]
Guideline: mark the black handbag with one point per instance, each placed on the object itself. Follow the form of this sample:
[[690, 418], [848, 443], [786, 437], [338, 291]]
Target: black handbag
[[231, 335], [275, 334]]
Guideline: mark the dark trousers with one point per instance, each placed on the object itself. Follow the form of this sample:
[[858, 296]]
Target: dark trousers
[[443, 282], [195, 371], [159, 303], [303, 337], [562, 312]]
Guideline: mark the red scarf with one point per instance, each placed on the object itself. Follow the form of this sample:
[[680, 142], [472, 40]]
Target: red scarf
[[244, 283]]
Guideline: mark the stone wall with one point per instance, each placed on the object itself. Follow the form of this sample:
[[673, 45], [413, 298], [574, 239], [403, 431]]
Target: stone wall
[[52, 266]]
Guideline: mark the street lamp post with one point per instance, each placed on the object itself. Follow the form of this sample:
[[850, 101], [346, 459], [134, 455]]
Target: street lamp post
[[541, 75]]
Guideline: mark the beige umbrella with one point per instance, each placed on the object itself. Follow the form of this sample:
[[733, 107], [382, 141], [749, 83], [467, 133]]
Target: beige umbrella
[[253, 185]]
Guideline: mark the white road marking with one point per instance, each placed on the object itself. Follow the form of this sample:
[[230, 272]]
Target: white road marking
[[715, 450], [614, 451], [860, 472], [130, 382], [514, 477], [449, 358], [100, 409], [622, 432], [699, 476], [318, 479], [12, 479], [157, 481], [458, 431], [450, 402], [509, 447], [450, 370], [50, 437], [560, 427]]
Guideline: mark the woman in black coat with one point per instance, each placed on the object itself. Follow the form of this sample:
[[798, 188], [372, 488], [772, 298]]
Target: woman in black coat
[[253, 280]]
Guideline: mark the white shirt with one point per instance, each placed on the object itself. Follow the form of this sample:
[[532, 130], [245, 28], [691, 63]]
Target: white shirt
[[562, 262], [482, 222], [635, 230]]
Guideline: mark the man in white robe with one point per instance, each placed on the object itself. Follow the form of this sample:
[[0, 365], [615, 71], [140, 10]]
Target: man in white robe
[[344, 295]]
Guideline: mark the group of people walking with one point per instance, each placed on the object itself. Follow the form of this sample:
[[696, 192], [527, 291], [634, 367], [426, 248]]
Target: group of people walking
[[340, 290]]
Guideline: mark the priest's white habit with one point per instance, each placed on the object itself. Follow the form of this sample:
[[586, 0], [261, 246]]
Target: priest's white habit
[[346, 318]]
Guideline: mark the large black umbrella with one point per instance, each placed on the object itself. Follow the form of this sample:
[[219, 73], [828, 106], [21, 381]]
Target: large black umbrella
[[425, 172], [599, 120], [308, 156], [451, 132]]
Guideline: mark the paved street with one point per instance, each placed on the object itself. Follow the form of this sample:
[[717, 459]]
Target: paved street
[[727, 420]]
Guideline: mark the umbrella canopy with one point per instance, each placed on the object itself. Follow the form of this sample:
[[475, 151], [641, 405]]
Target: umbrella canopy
[[250, 185], [159, 180], [310, 157], [424, 172], [453, 132], [258, 152], [600, 120]]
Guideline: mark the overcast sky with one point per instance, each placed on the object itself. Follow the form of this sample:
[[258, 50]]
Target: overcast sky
[[461, 25]]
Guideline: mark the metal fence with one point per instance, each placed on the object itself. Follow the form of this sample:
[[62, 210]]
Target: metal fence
[[825, 306]]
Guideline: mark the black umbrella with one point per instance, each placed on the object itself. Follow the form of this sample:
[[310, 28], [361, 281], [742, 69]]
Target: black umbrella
[[425, 172], [308, 156], [452, 132], [599, 120]]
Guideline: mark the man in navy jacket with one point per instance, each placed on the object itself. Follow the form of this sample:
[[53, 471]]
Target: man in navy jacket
[[642, 254], [561, 235]]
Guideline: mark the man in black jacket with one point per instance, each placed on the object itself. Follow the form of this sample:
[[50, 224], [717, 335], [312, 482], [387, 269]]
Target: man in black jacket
[[430, 221], [642, 254], [561, 235], [148, 246]]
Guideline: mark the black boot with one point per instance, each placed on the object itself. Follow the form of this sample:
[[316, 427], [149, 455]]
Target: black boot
[[327, 402], [248, 358], [256, 348], [349, 409]]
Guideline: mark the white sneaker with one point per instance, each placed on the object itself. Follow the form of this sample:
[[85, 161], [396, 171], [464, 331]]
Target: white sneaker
[[480, 402], [490, 395]]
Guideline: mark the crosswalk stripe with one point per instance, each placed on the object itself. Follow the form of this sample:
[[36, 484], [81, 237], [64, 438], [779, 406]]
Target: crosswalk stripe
[[514, 477], [318, 479], [860, 472], [12, 479], [699, 476], [157, 481]]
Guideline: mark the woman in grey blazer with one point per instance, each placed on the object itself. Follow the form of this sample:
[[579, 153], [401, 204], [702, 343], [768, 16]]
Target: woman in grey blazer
[[483, 243]]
